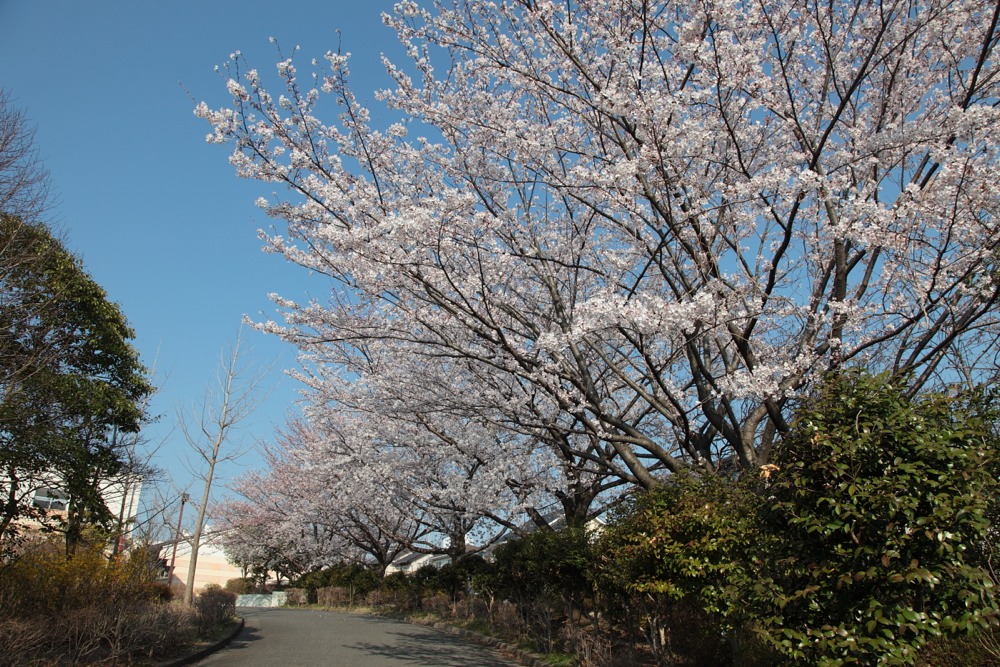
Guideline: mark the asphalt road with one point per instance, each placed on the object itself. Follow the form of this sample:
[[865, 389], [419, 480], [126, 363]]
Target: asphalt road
[[278, 637]]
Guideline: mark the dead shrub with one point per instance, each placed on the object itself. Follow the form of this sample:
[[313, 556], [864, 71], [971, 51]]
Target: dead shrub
[[96, 635], [43, 581], [296, 597], [214, 607], [79, 635], [590, 649], [333, 596], [471, 608], [437, 604], [507, 619], [148, 630], [626, 654], [22, 642], [161, 591], [85, 609]]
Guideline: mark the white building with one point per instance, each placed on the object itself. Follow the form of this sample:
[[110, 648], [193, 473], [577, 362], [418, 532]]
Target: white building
[[121, 496], [409, 562], [212, 566]]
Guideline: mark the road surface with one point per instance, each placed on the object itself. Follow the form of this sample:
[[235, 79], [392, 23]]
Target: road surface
[[278, 637]]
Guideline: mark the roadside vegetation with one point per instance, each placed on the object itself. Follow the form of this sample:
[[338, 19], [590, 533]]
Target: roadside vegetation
[[867, 541], [89, 609], [74, 588], [724, 271]]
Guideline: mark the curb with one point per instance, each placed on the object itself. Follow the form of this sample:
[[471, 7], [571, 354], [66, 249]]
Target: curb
[[516, 652], [207, 650]]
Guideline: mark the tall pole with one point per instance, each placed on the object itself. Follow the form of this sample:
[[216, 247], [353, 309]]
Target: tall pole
[[177, 538]]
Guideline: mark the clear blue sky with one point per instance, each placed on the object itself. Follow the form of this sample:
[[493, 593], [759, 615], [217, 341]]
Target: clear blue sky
[[156, 214]]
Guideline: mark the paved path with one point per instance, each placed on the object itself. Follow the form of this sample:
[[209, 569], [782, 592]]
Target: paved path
[[292, 637]]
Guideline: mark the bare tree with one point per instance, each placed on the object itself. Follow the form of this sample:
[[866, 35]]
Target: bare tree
[[24, 196], [233, 398], [24, 181]]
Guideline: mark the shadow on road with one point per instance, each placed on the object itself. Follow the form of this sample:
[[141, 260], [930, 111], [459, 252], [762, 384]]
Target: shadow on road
[[423, 649], [243, 640]]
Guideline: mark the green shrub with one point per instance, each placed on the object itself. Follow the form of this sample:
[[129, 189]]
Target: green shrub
[[879, 502], [686, 540], [866, 536], [546, 574], [357, 580], [454, 579], [673, 562], [400, 590], [406, 591], [241, 585], [549, 564]]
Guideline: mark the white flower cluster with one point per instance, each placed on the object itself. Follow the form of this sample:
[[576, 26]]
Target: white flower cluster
[[625, 241]]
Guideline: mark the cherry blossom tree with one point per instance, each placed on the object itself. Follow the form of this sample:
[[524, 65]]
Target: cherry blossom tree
[[375, 476], [645, 226], [464, 414], [431, 475], [255, 545], [310, 498]]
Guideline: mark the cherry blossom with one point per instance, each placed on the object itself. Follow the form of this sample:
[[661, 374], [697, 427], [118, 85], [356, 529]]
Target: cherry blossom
[[627, 235]]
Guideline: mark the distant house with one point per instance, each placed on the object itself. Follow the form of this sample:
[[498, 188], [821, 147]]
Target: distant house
[[50, 499], [409, 562], [120, 495]]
